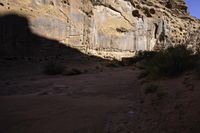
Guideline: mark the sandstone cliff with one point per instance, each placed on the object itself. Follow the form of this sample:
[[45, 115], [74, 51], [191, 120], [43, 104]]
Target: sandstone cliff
[[109, 28]]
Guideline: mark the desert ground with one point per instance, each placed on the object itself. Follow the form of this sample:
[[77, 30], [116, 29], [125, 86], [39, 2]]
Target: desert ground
[[103, 98]]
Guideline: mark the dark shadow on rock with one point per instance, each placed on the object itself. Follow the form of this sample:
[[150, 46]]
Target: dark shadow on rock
[[25, 54], [17, 40]]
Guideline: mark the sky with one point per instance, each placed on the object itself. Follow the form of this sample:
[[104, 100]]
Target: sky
[[194, 7]]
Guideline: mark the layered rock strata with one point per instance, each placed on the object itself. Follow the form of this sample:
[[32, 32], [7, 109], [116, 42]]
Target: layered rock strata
[[109, 28]]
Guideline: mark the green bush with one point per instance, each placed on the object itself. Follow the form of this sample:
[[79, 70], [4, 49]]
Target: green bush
[[171, 62], [54, 68]]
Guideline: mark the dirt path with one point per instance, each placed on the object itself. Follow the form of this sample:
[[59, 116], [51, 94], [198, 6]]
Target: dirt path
[[103, 100], [84, 103], [50, 114]]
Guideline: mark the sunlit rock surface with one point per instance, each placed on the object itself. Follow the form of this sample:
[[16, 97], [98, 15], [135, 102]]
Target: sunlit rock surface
[[109, 28]]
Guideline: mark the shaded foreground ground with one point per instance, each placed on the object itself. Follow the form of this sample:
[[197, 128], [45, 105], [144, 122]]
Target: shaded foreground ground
[[100, 100]]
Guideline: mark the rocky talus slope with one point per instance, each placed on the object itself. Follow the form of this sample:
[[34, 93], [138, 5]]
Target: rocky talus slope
[[107, 28]]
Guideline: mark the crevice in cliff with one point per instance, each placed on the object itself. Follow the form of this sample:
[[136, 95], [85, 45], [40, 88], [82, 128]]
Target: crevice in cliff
[[114, 9], [155, 31], [64, 14]]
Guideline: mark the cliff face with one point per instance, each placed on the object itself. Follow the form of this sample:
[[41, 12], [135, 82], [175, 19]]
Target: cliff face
[[109, 28]]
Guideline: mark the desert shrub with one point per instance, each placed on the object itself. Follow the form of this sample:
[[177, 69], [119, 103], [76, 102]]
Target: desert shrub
[[53, 68], [143, 74], [113, 63], [151, 89], [161, 95], [140, 57], [197, 69], [171, 62], [154, 89], [73, 71], [145, 55]]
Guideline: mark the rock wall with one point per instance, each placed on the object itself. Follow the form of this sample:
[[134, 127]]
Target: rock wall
[[108, 28]]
